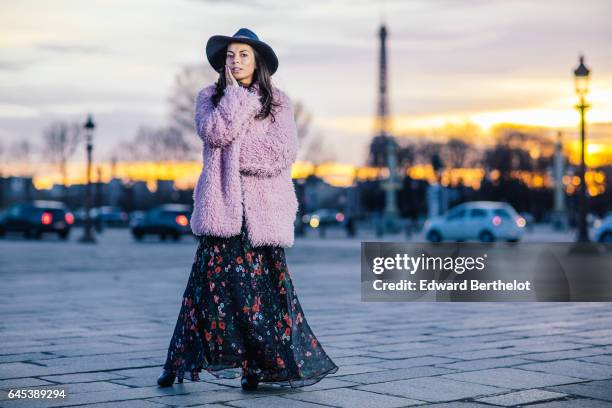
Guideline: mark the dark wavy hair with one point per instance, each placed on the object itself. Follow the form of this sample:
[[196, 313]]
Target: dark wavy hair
[[261, 77]]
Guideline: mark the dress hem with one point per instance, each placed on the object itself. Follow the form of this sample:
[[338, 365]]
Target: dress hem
[[302, 381]]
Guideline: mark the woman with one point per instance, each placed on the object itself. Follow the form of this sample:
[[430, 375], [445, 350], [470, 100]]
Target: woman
[[240, 310]]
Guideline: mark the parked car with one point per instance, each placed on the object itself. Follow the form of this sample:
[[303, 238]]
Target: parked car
[[109, 216], [529, 220], [136, 216], [485, 221], [323, 217], [34, 218], [603, 230], [79, 216], [167, 220]]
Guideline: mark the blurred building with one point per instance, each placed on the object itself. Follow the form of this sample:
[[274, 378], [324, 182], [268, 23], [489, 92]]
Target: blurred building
[[114, 191], [15, 189]]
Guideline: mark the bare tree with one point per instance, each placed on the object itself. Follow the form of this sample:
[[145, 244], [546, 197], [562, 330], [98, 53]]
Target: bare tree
[[19, 153], [518, 150], [405, 156], [187, 83], [124, 151], [312, 145], [455, 153], [426, 150], [155, 144], [316, 150], [60, 142], [303, 119]]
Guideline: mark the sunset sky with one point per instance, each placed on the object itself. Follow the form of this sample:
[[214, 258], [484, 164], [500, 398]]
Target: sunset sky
[[450, 62]]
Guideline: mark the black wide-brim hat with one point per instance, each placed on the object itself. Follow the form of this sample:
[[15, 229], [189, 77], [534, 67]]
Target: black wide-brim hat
[[217, 44]]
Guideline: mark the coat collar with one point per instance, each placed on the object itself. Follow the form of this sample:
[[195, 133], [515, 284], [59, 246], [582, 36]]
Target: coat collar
[[254, 88]]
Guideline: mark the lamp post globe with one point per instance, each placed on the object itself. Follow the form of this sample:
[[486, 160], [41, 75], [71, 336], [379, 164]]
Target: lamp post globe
[[582, 78]]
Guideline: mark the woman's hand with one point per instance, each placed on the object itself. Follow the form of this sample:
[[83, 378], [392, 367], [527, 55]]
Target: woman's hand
[[229, 78]]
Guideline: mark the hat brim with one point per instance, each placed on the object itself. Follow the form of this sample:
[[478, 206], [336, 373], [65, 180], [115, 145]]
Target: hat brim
[[217, 43]]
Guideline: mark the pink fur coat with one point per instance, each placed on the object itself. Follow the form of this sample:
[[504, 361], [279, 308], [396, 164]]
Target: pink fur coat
[[246, 168]]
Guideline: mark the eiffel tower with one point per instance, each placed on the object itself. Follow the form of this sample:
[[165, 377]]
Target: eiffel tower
[[383, 148]]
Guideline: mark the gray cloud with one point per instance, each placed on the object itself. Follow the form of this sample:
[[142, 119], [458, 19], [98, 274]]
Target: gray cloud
[[52, 94], [73, 48], [13, 65]]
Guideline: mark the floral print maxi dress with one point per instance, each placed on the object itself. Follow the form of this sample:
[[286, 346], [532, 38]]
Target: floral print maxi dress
[[240, 313]]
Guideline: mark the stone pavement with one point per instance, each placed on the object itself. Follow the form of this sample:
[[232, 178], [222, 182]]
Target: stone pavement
[[96, 321]]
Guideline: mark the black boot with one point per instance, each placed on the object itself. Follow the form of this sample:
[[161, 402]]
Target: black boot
[[249, 382], [166, 378]]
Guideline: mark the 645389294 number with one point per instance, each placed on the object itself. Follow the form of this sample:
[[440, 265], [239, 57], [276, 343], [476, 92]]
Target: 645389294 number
[[36, 393]]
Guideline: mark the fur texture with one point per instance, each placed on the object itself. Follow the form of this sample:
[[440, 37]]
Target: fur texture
[[246, 167]]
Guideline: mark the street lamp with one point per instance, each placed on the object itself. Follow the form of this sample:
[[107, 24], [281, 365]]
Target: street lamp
[[89, 128], [581, 77]]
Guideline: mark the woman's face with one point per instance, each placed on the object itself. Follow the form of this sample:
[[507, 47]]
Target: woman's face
[[241, 60]]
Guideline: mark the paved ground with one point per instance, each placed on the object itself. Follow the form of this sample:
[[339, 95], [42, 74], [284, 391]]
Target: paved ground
[[96, 321]]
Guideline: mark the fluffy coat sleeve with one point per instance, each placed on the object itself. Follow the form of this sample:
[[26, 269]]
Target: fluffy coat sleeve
[[220, 125], [266, 155]]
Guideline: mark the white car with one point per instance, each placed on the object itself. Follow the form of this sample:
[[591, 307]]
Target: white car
[[603, 230], [484, 221]]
